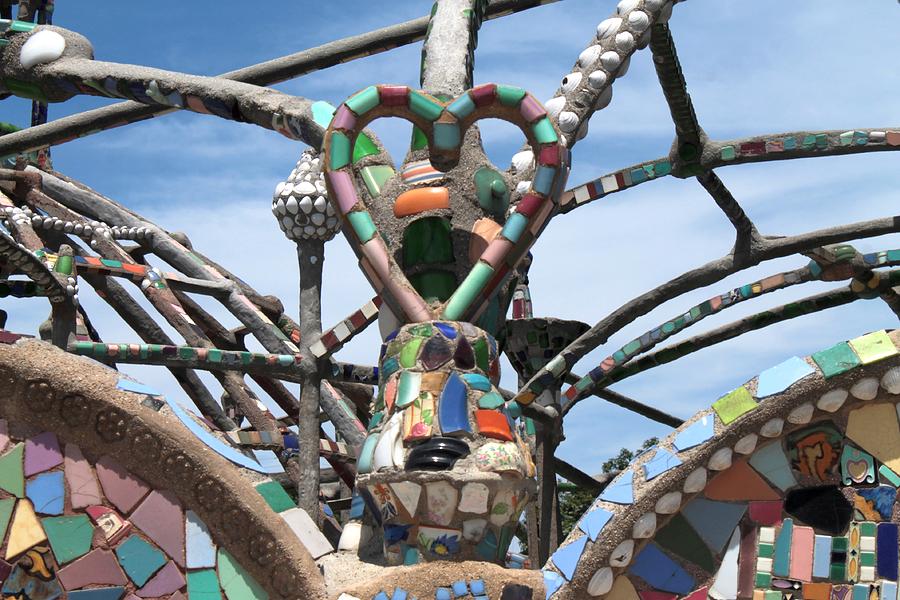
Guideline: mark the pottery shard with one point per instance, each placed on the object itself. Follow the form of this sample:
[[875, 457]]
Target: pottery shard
[[83, 488]]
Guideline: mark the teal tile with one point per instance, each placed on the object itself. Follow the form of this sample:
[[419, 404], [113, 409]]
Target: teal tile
[[139, 559], [782, 559], [771, 462], [838, 359], [275, 496], [203, 585], [70, 537], [237, 583], [364, 101]]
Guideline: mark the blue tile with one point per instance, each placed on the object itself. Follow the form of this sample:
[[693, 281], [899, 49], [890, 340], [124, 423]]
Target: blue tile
[[661, 462], [566, 557], [822, 556], [477, 587], [713, 521], [138, 388], [460, 588], [552, 582], [695, 434], [447, 329], [619, 491], [593, 522], [443, 594], [881, 498], [780, 377], [108, 593], [453, 412], [888, 590], [886, 557], [47, 492], [860, 591], [399, 594], [380, 596], [656, 568], [770, 462]]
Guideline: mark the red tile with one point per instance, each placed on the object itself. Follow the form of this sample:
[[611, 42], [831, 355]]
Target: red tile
[[765, 513], [393, 95], [484, 95]]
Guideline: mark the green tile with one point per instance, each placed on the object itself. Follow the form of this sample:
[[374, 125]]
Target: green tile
[[838, 572], [363, 147], [410, 353], [6, 508], [362, 224], [340, 150], [467, 291], [203, 585], [763, 580], [766, 550], [375, 177], [482, 360], [491, 191], [237, 583], [424, 107], [680, 538], [867, 529], [838, 359], [12, 478], [510, 95], [427, 241], [275, 496], [867, 559], [543, 131], [728, 153], [419, 140], [70, 537], [364, 101], [734, 404], [839, 544], [434, 285]]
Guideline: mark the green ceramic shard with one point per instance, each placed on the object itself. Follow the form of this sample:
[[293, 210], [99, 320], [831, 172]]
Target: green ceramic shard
[[734, 404]]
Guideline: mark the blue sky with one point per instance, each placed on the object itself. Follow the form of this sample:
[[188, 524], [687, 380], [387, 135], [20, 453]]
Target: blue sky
[[752, 67]]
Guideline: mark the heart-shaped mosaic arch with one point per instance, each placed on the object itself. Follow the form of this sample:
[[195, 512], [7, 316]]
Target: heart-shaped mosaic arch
[[444, 125]]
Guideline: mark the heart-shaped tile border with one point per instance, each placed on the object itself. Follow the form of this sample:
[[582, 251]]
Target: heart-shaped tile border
[[444, 125]]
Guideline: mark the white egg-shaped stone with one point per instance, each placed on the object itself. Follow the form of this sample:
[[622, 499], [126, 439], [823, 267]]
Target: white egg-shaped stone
[[695, 482], [286, 223], [610, 60], [608, 28], [597, 79], [621, 554], [570, 82], [833, 400], [644, 526], [801, 414], [746, 444], [589, 55], [625, 6], [668, 503], [865, 389], [568, 121], [890, 381], [624, 42], [772, 428], [638, 20], [41, 47], [604, 98], [554, 106], [601, 582], [317, 219], [720, 460]]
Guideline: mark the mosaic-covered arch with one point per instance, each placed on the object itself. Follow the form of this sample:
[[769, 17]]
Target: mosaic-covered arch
[[102, 496], [785, 487]]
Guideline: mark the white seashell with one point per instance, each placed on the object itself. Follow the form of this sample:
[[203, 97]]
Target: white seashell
[[522, 187], [644, 40], [865, 389], [287, 189], [891, 381], [305, 204], [291, 205], [42, 47], [645, 525], [522, 161], [601, 582], [624, 42], [568, 121], [582, 131], [833, 400], [597, 79], [304, 188], [610, 60], [287, 223], [589, 55], [279, 188], [695, 482], [345, 595], [570, 82], [772, 428], [803, 413], [746, 444], [721, 459], [626, 5], [608, 27], [639, 20], [668, 503], [604, 98], [554, 106], [317, 219], [320, 204], [623, 70], [621, 554]]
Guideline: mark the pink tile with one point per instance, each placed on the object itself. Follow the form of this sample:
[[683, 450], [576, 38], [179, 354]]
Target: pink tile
[[802, 541], [168, 580], [161, 518], [83, 488], [121, 487], [42, 453], [4, 435], [98, 567]]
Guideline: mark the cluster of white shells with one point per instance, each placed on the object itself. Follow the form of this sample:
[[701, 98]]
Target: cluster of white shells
[[301, 203], [864, 389], [90, 230]]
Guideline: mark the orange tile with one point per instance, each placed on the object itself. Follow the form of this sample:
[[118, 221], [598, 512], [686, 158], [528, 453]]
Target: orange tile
[[739, 482], [493, 423], [483, 232], [390, 391], [419, 200], [817, 591]]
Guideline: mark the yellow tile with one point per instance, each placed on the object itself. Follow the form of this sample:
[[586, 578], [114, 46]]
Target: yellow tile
[[622, 589], [874, 428], [25, 531]]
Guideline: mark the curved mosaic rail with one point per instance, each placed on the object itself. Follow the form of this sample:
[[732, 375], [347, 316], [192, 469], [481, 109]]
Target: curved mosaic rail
[[665, 526], [43, 389]]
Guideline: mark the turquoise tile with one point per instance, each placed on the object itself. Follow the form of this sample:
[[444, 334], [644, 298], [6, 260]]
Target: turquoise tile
[[462, 107], [771, 462], [70, 537], [139, 559], [782, 558], [446, 136], [364, 101], [838, 359], [203, 585], [237, 583]]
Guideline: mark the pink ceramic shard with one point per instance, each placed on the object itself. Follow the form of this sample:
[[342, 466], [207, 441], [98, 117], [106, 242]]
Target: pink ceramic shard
[[697, 594], [83, 488], [121, 487], [802, 541], [168, 580], [113, 526], [98, 567], [161, 518], [42, 453]]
